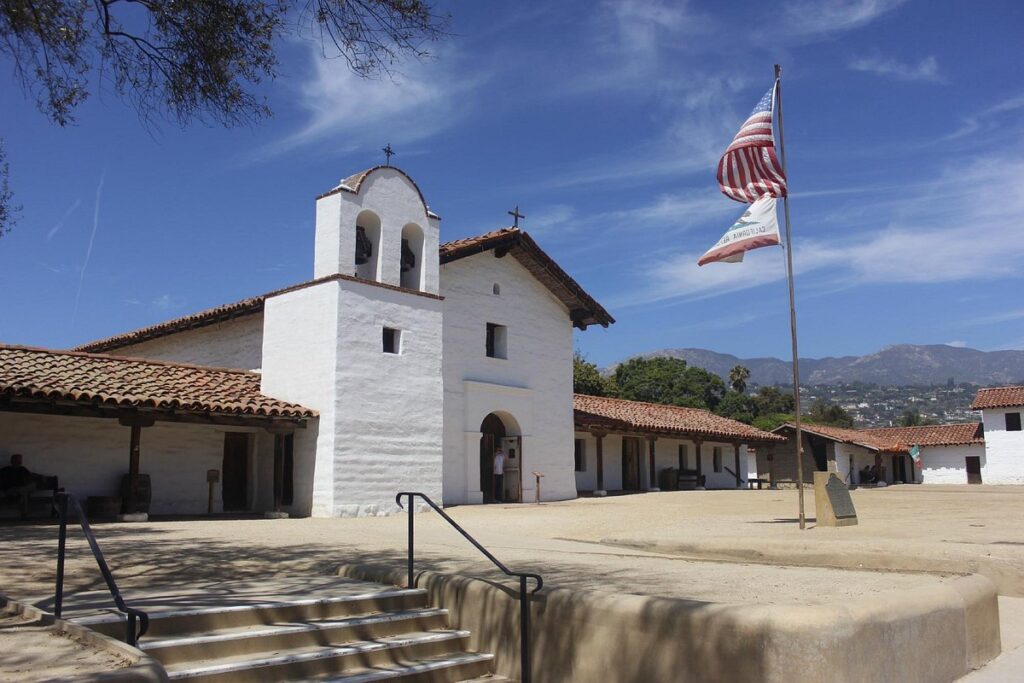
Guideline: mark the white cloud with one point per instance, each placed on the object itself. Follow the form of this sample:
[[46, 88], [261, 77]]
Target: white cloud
[[823, 17], [427, 96], [957, 344], [987, 120], [925, 70]]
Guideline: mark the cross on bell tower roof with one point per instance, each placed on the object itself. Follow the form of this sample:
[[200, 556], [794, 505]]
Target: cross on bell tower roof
[[516, 216], [388, 153]]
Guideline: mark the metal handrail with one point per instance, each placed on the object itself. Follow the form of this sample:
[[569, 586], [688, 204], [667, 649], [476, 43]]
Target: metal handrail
[[131, 614], [524, 597]]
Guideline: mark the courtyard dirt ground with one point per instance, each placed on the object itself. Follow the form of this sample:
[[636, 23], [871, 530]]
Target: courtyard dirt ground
[[719, 546]]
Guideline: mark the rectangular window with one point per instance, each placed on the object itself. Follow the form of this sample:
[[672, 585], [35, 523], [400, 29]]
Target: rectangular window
[[1013, 422], [497, 341], [392, 340], [682, 457], [581, 455], [717, 458]]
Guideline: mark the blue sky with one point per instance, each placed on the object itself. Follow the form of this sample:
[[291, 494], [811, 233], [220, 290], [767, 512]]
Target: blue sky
[[604, 122]]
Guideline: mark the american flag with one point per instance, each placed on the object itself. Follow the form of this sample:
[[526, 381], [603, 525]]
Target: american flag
[[749, 168]]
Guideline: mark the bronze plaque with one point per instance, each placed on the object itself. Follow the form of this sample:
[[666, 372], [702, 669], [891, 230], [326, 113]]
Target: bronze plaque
[[839, 497]]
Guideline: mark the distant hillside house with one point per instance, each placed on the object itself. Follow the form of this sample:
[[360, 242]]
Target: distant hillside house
[[948, 454], [402, 365], [1001, 409]]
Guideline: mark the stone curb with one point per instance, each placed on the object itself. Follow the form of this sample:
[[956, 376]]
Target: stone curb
[[143, 669], [934, 633]]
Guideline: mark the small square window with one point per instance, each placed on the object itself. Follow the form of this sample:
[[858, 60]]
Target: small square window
[[581, 456], [497, 341], [392, 340], [1013, 422]]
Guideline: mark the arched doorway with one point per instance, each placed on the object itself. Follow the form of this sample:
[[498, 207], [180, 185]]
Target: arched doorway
[[497, 432]]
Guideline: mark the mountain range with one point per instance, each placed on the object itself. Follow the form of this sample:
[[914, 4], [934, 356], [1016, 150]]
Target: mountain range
[[900, 365]]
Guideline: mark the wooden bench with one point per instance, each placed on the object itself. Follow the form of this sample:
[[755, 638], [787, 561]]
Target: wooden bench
[[760, 483]]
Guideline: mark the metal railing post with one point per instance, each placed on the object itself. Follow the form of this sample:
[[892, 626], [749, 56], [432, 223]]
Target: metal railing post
[[62, 539], [524, 632], [131, 639], [411, 534]]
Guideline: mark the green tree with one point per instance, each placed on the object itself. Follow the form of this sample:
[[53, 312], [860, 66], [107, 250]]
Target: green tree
[[668, 381], [738, 377], [911, 418], [587, 379], [824, 413], [195, 59], [737, 406], [770, 400]]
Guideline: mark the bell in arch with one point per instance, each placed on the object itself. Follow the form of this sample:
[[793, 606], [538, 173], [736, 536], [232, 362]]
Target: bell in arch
[[364, 247], [408, 257]]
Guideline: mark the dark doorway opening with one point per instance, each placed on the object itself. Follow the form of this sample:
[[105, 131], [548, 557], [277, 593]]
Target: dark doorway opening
[[819, 449], [973, 469], [235, 472], [630, 463], [492, 431]]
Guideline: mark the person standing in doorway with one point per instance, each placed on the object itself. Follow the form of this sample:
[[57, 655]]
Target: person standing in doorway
[[499, 476]]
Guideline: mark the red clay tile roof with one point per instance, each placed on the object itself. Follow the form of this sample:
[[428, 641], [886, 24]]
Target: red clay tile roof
[[932, 435], [856, 437], [583, 309], [218, 314], [617, 413], [115, 381], [998, 397], [354, 183]]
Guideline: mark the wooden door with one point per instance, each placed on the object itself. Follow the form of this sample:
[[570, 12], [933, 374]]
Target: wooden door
[[630, 464], [235, 472], [973, 469], [487, 466]]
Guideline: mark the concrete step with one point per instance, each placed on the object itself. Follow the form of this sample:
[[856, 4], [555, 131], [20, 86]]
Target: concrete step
[[448, 668], [163, 624], [318, 661], [489, 678], [280, 636]]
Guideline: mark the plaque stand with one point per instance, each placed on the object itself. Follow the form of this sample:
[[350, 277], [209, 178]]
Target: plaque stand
[[833, 505]]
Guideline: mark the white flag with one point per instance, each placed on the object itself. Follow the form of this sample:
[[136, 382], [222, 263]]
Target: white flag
[[757, 227]]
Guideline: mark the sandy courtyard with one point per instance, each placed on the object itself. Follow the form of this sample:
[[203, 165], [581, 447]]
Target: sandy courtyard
[[574, 544]]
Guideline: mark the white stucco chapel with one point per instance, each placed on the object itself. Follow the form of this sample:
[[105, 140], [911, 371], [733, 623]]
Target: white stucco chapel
[[401, 365]]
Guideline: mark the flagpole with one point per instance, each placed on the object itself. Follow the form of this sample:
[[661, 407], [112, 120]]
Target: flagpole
[[792, 306]]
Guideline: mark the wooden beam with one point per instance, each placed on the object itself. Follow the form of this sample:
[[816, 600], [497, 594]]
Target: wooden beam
[[739, 479], [652, 475], [72, 409], [600, 461]]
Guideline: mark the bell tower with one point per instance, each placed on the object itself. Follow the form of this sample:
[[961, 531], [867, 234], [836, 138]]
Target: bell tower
[[376, 225]]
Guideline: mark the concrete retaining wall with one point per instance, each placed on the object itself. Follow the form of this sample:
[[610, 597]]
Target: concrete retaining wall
[[930, 634]]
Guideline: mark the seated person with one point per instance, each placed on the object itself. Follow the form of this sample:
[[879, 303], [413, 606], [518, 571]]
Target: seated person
[[17, 480]]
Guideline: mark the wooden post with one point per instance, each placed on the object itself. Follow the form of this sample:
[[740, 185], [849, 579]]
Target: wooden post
[[278, 470], [697, 443], [739, 479], [136, 422], [600, 464], [682, 456], [771, 470], [653, 474]]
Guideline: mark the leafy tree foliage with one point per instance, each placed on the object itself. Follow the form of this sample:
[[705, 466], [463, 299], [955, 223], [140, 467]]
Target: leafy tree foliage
[[738, 377], [910, 418], [824, 413], [737, 406], [771, 400], [668, 381], [7, 209], [587, 379], [195, 59]]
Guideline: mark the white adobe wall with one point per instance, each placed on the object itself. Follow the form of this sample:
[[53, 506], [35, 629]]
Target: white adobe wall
[[236, 343], [300, 342], [389, 406], [947, 464], [723, 479], [380, 414], [533, 386], [1004, 451], [390, 195], [89, 456]]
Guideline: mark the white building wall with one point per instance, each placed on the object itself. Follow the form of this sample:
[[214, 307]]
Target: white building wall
[[300, 343], [389, 411], [723, 479], [389, 194], [236, 343], [90, 455], [948, 464], [533, 386], [1004, 451]]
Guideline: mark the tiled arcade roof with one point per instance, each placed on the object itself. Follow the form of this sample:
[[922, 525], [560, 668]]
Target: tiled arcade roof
[[583, 309], [998, 397], [617, 413], [114, 381], [856, 437], [932, 435]]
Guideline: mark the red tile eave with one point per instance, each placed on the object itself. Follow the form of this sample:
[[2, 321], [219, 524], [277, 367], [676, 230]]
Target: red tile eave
[[998, 397], [354, 184]]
